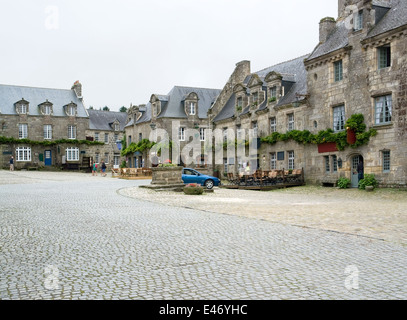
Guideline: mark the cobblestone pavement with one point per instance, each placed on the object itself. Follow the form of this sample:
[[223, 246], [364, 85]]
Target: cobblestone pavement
[[74, 236]]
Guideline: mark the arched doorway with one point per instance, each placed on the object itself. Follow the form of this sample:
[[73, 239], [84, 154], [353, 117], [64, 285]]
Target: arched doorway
[[355, 160]]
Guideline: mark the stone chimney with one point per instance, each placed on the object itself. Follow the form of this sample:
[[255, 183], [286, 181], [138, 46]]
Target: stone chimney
[[77, 87], [326, 27]]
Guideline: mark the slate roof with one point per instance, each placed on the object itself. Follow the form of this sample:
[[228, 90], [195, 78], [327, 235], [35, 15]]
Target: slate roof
[[174, 108], [10, 94], [102, 120], [294, 78], [393, 19], [390, 15]]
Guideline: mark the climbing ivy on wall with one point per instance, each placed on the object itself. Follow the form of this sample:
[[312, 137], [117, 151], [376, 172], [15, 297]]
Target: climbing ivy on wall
[[355, 123]]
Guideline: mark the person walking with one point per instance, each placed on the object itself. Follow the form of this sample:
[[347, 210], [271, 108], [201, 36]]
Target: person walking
[[103, 169], [12, 163], [95, 169]]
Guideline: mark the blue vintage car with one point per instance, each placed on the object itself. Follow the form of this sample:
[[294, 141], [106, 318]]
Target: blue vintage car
[[192, 176]]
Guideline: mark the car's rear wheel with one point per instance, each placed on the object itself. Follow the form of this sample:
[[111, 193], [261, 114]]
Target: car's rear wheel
[[209, 184]]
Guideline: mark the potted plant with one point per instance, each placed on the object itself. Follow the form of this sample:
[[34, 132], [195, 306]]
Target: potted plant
[[343, 183], [368, 183]]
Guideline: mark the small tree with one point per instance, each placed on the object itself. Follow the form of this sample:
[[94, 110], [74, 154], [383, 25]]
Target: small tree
[[123, 109]]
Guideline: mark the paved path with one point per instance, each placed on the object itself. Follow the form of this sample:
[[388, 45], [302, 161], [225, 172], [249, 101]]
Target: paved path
[[73, 236]]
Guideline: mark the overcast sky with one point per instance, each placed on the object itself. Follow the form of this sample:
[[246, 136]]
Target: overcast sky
[[123, 51]]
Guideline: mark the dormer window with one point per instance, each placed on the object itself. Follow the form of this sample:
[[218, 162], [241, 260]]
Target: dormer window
[[70, 109], [191, 104], [46, 108], [116, 127], [22, 106]]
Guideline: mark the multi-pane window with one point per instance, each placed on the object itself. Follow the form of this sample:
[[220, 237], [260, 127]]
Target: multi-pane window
[[255, 97], [192, 108], [255, 129], [384, 57], [273, 124], [273, 161], [327, 164], [47, 131], [202, 134], [239, 132], [117, 127], [338, 70], [47, 109], [22, 131], [225, 165], [96, 136], [106, 157], [116, 137], [72, 154], [140, 136], [71, 132], [383, 109], [23, 154], [181, 134], [97, 157], [339, 118], [116, 160], [273, 92], [22, 109], [291, 159], [386, 161], [129, 139], [71, 111], [358, 21], [239, 102], [290, 121], [106, 138], [335, 163]]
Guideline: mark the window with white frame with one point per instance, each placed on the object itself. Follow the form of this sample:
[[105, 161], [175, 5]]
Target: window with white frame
[[386, 161], [96, 136], [225, 134], [273, 124], [202, 134], [273, 161], [290, 118], [339, 118], [97, 157], [22, 108], [383, 109], [327, 164], [116, 159], [192, 108], [22, 131], [106, 138], [71, 110], [47, 109], [71, 132], [291, 159], [47, 132], [23, 154], [106, 157], [72, 154], [273, 92], [116, 137], [181, 134], [117, 127]]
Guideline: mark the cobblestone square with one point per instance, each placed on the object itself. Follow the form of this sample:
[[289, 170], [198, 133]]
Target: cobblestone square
[[73, 236]]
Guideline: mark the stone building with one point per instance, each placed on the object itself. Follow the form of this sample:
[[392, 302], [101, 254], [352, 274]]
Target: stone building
[[31, 119], [106, 127], [182, 113], [358, 67]]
